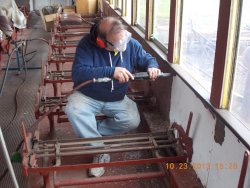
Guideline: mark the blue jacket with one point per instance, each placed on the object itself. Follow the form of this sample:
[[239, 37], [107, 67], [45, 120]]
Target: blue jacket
[[92, 61]]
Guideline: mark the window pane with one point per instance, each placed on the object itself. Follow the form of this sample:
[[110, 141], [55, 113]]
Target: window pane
[[128, 10], [240, 104], [119, 5], [161, 20], [199, 29], [141, 13]]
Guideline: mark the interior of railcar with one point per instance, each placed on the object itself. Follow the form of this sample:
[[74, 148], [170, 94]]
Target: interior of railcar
[[194, 128]]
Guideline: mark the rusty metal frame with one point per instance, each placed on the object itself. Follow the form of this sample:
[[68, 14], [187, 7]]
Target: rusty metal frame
[[63, 42], [64, 28], [70, 34], [58, 76], [105, 179], [86, 23], [44, 150], [244, 169], [60, 58], [185, 140]]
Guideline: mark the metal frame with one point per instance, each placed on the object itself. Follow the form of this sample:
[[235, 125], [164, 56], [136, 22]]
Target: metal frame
[[244, 169], [60, 58], [37, 152], [220, 53]]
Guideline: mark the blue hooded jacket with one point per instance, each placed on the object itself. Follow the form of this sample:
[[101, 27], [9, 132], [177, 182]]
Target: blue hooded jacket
[[92, 61]]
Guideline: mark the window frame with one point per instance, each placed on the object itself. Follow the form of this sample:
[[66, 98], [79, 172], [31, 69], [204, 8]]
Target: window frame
[[159, 45], [146, 17], [154, 40], [116, 5], [227, 43]]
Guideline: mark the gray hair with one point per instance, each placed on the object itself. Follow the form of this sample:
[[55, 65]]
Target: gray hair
[[110, 25]]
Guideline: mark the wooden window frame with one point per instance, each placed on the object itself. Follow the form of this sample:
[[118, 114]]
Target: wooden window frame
[[225, 53]]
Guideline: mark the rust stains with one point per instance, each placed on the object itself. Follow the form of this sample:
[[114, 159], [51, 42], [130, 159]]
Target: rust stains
[[219, 132]]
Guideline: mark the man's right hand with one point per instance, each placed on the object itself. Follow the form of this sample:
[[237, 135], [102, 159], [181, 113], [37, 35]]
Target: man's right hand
[[122, 75]]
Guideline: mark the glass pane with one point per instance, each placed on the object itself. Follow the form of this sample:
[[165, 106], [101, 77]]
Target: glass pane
[[240, 103], [141, 13], [161, 20], [119, 6], [128, 10], [199, 29]]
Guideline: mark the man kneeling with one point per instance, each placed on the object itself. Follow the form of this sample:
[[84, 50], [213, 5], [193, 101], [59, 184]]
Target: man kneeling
[[108, 51]]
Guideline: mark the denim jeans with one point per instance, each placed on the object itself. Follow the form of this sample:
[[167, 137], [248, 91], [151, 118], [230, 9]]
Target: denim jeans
[[122, 116]]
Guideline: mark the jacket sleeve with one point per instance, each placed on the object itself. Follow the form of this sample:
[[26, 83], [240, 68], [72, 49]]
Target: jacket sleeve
[[143, 59], [84, 68]]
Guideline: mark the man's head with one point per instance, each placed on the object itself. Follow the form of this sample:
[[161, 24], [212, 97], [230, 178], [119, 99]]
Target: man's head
[[112, 34]]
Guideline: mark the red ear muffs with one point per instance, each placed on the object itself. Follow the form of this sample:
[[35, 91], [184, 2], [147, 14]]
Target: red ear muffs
[[100, 42]]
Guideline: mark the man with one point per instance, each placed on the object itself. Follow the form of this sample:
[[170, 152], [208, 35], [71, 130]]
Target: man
[[108, 51], [11, 11], [5, 34], [10, 16]]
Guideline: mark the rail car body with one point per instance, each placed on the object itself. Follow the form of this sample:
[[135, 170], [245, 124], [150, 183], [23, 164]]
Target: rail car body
[[197, 118]]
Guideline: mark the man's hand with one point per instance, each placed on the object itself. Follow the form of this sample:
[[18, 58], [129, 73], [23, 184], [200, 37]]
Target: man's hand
[[122, 75], [153, 73]]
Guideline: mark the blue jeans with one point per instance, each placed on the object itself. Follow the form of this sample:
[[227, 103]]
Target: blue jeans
[[122, 116]]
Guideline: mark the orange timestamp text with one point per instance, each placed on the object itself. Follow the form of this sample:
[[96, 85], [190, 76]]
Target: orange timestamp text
[[202, 166]]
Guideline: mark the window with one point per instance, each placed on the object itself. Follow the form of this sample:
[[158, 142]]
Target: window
[[199, 29], [161, 21], [240, 103], [119, 4], [111, 2], [141, 13], [128, 10]]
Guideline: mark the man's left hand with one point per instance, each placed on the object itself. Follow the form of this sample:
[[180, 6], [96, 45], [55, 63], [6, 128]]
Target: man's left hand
[[153, 73]]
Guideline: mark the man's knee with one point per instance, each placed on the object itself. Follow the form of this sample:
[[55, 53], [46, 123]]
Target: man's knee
[[133, 121]]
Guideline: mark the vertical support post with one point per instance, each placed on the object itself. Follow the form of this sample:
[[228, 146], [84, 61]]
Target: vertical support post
[[134, 13], [6, 155], [31, 5], [101, 7], [149, 19], [46, 180], [17, 59], [189, 122], [124, 8], [243, 169]]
